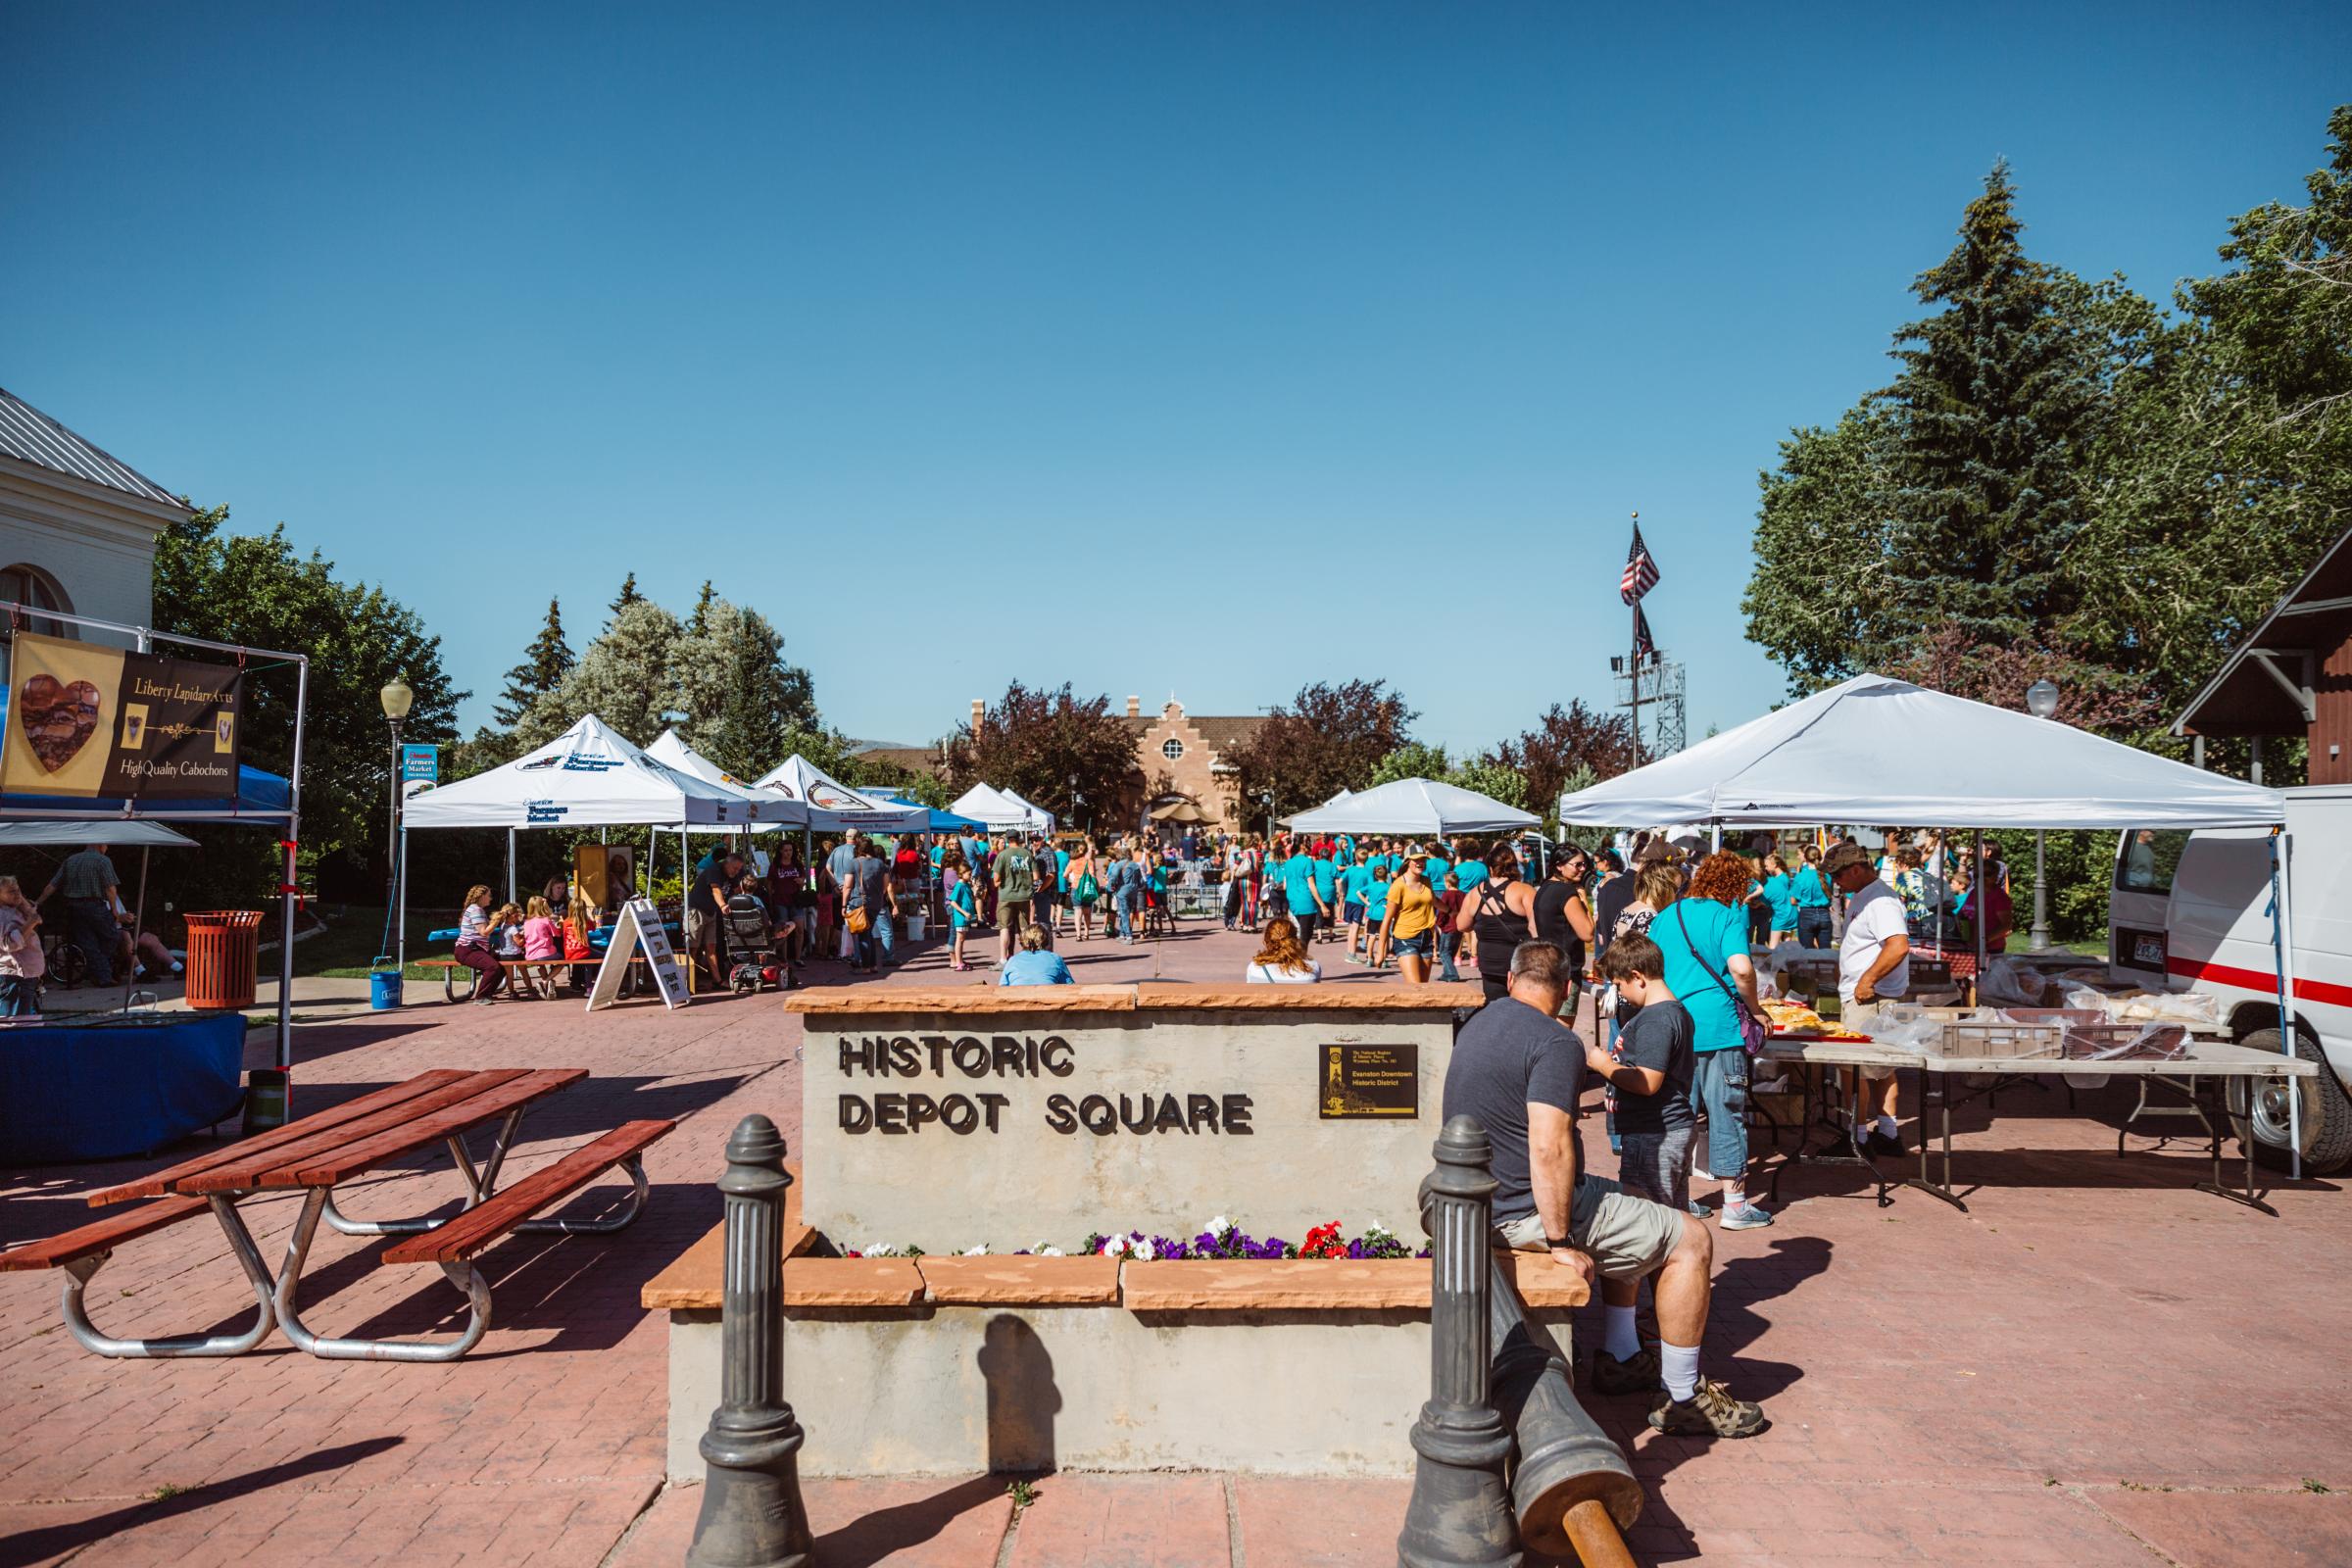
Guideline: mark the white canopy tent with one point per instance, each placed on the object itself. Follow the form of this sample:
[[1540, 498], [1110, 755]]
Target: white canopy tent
[[831, 806], [1423, 807], [1883, 751], [1878, 750], [1037, 811], [1002, 811], [137, 833], [768, 807]]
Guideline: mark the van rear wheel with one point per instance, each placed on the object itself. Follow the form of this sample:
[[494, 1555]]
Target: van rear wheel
[[2326, 1113]]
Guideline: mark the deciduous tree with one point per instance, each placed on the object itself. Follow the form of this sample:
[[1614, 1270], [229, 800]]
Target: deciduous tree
[[1328, 738], [1037, 740]]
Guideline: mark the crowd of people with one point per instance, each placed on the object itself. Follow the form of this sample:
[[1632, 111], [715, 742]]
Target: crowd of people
[[77, 929]]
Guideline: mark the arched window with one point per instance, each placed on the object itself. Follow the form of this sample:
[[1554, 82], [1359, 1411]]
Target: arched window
[[36, 589], [1171, 749]]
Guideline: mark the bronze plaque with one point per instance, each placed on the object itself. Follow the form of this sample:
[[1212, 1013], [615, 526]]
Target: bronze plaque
[[1370, 1080]]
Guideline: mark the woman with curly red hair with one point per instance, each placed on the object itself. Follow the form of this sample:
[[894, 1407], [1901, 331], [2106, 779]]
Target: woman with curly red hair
[[1703, 936]]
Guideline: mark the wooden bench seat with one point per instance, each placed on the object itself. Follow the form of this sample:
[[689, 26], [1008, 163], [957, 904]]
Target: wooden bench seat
[[472, 1232], [102, 1236], [544, 970]]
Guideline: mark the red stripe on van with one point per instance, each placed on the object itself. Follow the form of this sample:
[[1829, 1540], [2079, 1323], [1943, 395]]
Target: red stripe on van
[[2259, 981]]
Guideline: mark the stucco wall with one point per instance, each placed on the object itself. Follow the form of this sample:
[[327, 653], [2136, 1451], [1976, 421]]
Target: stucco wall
[[100, 553]]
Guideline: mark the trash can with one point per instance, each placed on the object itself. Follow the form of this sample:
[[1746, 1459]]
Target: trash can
[[265, 1099], [383, 984], [223, 949]]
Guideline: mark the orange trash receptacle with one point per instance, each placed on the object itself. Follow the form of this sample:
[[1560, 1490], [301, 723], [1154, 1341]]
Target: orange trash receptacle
[[223, 953]]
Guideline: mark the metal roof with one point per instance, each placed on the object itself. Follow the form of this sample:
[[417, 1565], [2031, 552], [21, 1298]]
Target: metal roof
[[28, 435], [2250, 695]]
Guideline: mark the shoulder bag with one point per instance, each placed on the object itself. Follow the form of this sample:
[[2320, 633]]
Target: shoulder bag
[[1754, 1031]]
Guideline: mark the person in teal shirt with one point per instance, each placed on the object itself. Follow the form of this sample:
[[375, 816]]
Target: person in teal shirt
[[1781, 892], [1810, 891], [1703, 936], [1376, 911], [1327, 885], [1438, 865], [963, 910], [1299, 887], [1469, 871]]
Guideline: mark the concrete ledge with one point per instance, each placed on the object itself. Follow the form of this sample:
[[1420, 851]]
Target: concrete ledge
[[852, 1282], [1020, 1280], [1306, 1284], [1162, 994], [836, 1001], [1144, 995]]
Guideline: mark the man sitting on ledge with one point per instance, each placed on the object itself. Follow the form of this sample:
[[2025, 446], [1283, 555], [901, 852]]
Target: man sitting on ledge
[[1033, 966], [1518, 1070]]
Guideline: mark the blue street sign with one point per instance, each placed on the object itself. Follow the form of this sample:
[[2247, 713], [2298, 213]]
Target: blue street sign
[[420, 762]]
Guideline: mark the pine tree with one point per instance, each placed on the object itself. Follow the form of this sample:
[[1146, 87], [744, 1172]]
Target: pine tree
[[699, 623], [543, 667], [628, 595], [1996, 402]]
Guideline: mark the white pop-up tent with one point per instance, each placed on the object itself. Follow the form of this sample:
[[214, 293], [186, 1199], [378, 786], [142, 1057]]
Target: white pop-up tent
[[1046, 818], [768, 807], [833, 806], [1002, 811], [589, 776], [1883, 751], [1423, 807]]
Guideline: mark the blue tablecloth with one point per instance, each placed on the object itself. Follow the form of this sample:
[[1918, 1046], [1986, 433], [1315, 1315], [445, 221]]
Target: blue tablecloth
[[73, 1091]]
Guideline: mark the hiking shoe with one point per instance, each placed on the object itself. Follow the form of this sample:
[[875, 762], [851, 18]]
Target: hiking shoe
[[1637, 1375], [1885, 1145], [1745, 1217], [1699, 1211], [1709, 1412]]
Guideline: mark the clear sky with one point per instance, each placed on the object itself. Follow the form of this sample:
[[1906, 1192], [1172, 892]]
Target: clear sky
[[1202, 347]]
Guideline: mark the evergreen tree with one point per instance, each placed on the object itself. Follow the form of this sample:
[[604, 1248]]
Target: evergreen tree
[[628, 595], [544, 664], [1997, 399], [699, 622]]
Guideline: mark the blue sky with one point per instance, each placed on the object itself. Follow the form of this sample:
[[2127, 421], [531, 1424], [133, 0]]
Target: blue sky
[[1205, 348]]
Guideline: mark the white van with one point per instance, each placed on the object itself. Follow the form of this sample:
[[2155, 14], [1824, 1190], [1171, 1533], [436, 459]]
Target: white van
[[2193, 911]]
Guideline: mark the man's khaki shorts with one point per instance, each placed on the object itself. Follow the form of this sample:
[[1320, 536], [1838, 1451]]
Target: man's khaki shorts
[[1626, 1237], [1011, 915], [1862, 1019]]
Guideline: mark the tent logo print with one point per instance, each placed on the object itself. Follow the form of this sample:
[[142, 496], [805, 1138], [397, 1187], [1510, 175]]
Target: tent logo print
[[536, 764], [544, 812], [577, 763]]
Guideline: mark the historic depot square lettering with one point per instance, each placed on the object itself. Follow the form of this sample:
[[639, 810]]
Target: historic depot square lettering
[[1008, 1060]]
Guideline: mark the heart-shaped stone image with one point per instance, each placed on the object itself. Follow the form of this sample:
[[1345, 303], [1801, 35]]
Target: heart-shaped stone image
[[59, 719]]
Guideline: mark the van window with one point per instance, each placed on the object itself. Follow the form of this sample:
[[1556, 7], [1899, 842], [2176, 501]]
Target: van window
[[2147, 858]]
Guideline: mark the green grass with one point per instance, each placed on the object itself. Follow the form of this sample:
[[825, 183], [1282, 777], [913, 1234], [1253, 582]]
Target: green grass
[[346, 950]]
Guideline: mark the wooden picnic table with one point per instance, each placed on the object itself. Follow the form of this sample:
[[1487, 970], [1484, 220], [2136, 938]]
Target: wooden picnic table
[[318, 1152]]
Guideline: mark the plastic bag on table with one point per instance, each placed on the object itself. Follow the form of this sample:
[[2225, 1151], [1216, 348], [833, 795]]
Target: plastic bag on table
[[1906, 1028], [2008, 983], [2168, 1006]]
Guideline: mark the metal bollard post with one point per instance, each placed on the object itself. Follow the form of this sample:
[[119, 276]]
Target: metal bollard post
[[752, 1515], [1461, 1515]]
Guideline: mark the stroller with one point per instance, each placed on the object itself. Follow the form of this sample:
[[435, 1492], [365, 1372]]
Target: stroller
[[752, 947]]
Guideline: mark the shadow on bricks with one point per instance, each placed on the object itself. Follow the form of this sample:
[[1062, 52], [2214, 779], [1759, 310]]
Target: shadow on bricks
[[63, 1539], [879, 1536]]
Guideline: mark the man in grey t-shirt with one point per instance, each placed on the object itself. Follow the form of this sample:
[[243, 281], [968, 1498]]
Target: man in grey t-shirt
[[1518, 1070], [91, 890]]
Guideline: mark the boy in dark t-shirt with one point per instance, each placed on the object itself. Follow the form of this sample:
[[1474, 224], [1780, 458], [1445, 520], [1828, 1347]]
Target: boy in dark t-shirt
[[1650, 1072]]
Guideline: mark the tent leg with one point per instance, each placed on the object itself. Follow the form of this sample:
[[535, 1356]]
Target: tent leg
[[138, 924], [1976, 887], [2284, 868], [510, 866], [399, 901]]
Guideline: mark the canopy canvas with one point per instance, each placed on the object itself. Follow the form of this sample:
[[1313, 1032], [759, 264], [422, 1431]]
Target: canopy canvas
[[1001, 811], [139, 835], [1036, 811], [1426, 806], [266, 797], [589, 776], [940, 821], [1883, 751], [767, 807], [833, 806]]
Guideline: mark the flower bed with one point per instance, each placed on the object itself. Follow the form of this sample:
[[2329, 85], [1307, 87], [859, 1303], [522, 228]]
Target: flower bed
[[1219, 1241]]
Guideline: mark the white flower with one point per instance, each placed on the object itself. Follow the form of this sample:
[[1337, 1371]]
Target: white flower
[[1219, 1225], [1376, 1228], [881, 1250], [976, 1251], [1043, 1251], [1141, 1251], [1114, 1246]]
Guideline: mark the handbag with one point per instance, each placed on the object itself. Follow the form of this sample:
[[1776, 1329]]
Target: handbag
[[857, 923], [1089, 889], [1754, 1031]]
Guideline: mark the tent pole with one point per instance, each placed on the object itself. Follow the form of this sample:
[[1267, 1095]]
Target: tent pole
[[510, 866], [400, 899], [288, 896], [2282, 871], [1976, 887], [138, 925]]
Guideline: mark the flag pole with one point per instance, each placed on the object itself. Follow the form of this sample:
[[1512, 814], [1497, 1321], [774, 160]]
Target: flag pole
[[1632, 664]]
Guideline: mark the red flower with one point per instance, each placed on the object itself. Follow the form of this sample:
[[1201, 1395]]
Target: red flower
[[1323, 1241]]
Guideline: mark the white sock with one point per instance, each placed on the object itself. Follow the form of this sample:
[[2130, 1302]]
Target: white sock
[[1677, 1365], [1621, 1344], [1887, 1125]]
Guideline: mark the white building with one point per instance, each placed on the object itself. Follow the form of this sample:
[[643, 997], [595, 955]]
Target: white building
[[77, 526]]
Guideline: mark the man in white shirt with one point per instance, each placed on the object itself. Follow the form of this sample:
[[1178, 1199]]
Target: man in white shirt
[[1873, 966]]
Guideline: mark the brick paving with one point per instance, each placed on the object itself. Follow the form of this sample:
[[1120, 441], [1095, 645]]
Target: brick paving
[[2096, 1364]]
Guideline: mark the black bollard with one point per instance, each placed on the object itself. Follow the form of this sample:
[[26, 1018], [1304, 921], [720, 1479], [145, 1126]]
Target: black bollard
[[752, 1515], [1561, 1458], [1461, 1515]]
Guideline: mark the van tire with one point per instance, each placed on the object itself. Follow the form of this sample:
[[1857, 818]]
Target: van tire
[[2327, 1114]]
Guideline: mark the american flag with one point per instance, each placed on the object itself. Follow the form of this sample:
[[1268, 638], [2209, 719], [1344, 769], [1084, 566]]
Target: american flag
[[1644, 649], [1641, 572]]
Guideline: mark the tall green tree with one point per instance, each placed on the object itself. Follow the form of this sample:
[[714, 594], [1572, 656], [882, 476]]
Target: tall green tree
[[1325, 739], [1998, 398], [1821, 599], [544, 664], [741, 696], [627, 595], [628, 677], [1039, 740], [256, 590]]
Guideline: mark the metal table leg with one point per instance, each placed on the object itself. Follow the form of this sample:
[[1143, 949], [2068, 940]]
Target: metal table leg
[[80, 1271], [2218, 1186], [482, 1184], [2192, 1107], [465, 1275], [1941, 1094]]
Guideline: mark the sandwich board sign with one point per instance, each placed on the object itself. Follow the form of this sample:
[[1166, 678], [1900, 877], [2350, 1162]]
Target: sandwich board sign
[[639, 925]]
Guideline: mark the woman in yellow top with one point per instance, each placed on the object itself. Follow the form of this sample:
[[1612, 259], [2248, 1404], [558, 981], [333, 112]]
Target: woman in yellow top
[[1410, 927]]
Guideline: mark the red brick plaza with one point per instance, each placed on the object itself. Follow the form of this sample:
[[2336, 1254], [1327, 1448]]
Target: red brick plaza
[[2094, 1365]]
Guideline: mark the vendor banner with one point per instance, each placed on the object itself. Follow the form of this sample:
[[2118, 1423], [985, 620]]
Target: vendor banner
[[84, 721]]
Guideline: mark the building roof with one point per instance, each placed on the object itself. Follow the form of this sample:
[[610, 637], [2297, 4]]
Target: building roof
[[1224, 735], [914, 758], [31, 436], [2265, 686]]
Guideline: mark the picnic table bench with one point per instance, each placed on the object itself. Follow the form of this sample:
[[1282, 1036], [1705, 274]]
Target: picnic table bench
[[315, 1153]]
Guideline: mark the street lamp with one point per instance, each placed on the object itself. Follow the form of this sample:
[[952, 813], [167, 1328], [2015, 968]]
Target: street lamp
[[1266, 799], [2042, 701], [397, 700]]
